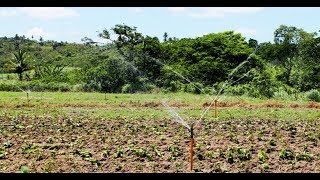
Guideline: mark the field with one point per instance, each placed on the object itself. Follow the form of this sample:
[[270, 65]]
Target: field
[[95, 132]]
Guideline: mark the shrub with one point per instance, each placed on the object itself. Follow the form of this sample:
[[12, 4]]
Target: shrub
[[313, 95]]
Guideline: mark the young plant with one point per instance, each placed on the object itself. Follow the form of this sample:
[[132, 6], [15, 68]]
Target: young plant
[[265, 166], [304, 156], [243, 154], [24, 169], [262, 155], [286, 154]]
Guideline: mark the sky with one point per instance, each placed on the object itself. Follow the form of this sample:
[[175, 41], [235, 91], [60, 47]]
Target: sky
[[71, 24]]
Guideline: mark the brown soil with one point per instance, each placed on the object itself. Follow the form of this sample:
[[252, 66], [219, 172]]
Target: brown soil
[[79, 143], [268, 104]]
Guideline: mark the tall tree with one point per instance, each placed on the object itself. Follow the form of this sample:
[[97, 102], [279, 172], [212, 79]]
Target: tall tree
[[165, 37], [19, 63], [127, 39], [287, 39]]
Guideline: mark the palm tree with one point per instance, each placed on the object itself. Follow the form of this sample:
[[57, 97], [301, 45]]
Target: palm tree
[[19, 63]]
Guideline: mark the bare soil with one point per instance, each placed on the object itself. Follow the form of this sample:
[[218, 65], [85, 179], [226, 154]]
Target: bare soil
[[79, 143]]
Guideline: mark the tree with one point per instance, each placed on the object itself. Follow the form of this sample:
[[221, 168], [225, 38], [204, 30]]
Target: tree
[[253, 43], [128, 43], [88, 41], [287, 39], [165, 37], [127, 40], [309, 65], [19, 63], [109, 76]]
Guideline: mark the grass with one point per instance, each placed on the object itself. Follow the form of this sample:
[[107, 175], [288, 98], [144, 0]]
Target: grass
[[147, 105]]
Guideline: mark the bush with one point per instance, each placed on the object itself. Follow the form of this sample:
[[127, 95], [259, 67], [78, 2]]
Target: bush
[[196, 88], [173, 86], [281, 94], [313, 95], [34, 86]]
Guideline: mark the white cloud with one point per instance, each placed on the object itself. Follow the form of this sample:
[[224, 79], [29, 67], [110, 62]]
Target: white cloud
[[7, 12], [247, 31], [36, 32], [48, 12], [207, 12], [176, 9]]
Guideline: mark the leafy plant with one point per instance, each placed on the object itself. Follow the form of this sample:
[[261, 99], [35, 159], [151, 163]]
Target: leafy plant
[[24, 169], [119, 153], [304, 156], [3, 153], [265, 166], [286, 154], [272, 142], [230, 155], [262, 155], [243, 154], [209, 154], [313, 95]]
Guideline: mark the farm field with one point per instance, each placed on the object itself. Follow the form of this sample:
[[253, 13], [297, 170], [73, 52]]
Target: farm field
[[96, 132]]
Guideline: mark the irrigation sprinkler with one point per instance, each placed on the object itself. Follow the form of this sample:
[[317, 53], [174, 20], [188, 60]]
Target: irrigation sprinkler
[[184, 123], [27, 92], [191, 147], [214, 101]]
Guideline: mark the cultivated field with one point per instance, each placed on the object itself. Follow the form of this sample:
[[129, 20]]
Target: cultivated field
[[92, 132]]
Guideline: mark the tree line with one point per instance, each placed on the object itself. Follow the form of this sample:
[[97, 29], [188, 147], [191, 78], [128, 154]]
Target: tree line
[[132, 62]]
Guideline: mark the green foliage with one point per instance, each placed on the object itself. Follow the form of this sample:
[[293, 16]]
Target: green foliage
[[108, 77], [243, 154], [313, 95], [19, 63], [134, 62], [24, 169], [36, 86], [286, 154], [262, 155], [304, 156]]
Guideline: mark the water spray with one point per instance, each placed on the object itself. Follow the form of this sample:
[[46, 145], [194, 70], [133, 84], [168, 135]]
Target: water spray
[[27, 92], [190, 128]]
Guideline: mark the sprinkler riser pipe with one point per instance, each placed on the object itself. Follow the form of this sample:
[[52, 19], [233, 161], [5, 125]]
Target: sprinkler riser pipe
[[191, 148], [191, 154]]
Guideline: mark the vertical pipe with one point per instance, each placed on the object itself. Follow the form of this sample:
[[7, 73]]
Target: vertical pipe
[[191, 149], [28, 99]]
